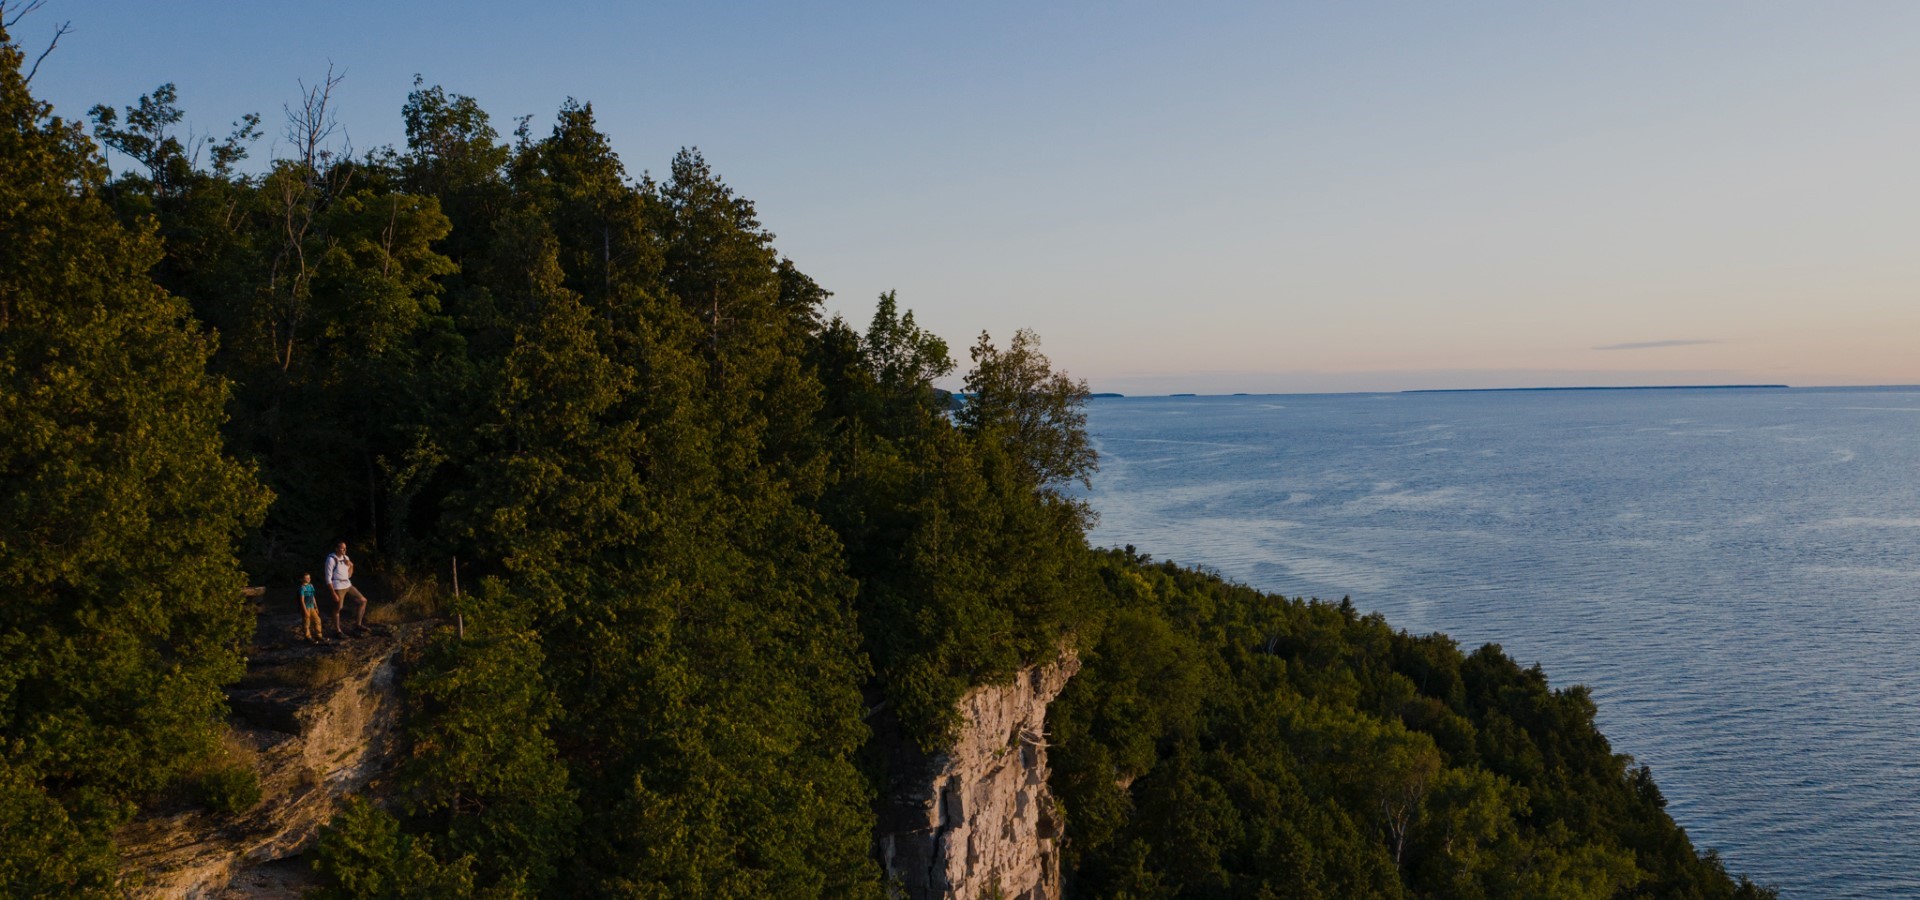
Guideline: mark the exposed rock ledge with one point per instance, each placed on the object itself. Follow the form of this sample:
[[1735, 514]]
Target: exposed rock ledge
[[978, 820], [316, 746]]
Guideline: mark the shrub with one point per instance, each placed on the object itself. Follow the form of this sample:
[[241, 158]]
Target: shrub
[[228, 781], [229, 790]]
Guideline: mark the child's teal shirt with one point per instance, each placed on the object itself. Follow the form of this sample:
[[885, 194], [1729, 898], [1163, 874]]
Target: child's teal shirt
[[306, 596]]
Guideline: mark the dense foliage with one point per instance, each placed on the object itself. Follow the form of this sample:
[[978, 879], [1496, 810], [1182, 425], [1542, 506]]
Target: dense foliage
[[1221, 742], [121, 616], [719, 544]]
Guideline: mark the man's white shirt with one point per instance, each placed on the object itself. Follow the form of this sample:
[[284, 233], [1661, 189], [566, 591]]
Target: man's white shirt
[[339, 571]]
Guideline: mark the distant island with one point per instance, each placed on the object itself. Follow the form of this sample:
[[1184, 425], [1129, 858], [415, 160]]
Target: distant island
[[1103, 396], [1651, 387], [1183, 395]]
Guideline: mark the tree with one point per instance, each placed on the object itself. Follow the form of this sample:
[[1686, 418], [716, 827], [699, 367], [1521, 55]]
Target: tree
[[147, 138], [452, 147], [905, 359], [576, 182], [693, 618], [363, 853], [485, 777], [123, 614], [719, 261], [1037, 413]]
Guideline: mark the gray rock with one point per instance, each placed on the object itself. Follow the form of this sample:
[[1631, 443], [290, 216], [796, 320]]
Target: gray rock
[[978, 820]]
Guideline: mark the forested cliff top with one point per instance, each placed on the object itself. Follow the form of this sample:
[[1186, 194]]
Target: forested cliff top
[[710, 539]]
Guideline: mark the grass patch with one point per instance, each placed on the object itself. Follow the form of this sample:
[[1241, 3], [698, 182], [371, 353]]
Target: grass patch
[[413, 599]]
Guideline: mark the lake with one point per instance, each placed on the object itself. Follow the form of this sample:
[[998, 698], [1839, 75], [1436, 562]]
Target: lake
[[1734, 573]]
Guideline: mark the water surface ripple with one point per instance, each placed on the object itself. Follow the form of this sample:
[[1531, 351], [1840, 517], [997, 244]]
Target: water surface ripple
[[1735, 574]]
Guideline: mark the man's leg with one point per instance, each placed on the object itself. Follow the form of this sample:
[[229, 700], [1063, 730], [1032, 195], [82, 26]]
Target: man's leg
[[338, 602], [360, 607]]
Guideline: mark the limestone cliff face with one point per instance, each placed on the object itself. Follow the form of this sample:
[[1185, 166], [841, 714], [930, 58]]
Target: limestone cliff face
[[317, 743], [978, 820]]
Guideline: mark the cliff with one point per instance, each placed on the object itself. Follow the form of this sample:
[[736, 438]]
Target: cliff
[[978, 820], [321, 724]]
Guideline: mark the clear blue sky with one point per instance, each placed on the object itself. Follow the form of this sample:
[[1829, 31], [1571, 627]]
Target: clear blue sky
[[1209, 197]]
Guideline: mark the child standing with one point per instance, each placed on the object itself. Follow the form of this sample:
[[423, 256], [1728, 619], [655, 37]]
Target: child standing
[[316, 632]]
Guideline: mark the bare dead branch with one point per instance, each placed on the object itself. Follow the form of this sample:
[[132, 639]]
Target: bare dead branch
[[313, 122], [197, 142], [27, 9], [64, 29]]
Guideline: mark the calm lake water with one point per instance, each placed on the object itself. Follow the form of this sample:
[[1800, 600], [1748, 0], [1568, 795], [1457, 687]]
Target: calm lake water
[[1735, 574]]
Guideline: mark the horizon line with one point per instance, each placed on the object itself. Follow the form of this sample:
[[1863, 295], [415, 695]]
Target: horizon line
[[1109, 395], [1599, 387]]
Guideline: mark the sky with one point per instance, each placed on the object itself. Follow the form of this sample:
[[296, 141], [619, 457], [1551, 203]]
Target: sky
[[1199, 197]]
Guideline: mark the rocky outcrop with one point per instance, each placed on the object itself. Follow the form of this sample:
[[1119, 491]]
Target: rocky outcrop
[[322, 724], [978, 820]]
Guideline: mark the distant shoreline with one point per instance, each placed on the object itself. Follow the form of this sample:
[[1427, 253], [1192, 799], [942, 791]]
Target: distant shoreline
[[1650, 387]]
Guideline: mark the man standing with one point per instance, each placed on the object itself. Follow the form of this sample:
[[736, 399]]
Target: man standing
[[339, 575]]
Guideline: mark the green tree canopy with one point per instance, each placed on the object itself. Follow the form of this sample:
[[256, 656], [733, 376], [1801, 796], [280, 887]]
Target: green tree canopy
[[123, 614]]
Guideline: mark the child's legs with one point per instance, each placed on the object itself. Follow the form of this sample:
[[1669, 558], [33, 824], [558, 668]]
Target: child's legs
[[314, 628]]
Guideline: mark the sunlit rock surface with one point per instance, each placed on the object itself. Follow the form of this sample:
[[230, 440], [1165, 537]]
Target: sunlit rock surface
[[978, 820], [316, 743]]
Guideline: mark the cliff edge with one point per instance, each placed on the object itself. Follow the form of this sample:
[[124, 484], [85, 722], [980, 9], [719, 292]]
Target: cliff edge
[[978, 819], [322, 724]]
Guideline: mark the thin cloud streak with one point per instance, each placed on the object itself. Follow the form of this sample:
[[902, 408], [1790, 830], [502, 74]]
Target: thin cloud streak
[[1649, 345], [1306, 381]]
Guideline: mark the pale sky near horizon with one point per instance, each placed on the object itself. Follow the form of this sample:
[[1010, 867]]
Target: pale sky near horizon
[[1215, 197]]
